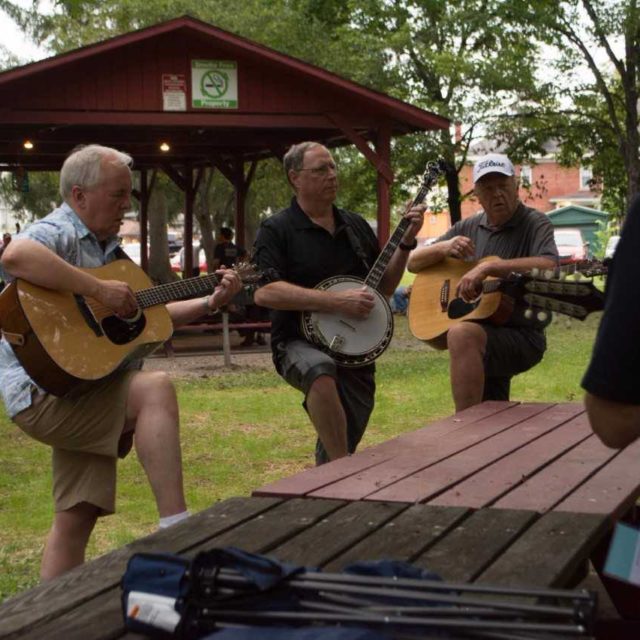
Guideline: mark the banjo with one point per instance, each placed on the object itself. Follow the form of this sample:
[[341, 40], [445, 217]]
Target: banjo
[[354, 342]]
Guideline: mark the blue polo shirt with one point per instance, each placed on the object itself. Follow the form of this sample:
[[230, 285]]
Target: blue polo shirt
[[64, 233]]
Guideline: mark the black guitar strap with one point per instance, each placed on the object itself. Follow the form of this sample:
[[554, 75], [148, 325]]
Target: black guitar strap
[[121, 254], [356, 246]]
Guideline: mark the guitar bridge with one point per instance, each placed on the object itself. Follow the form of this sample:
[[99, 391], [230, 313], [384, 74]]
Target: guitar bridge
[[336, 344]]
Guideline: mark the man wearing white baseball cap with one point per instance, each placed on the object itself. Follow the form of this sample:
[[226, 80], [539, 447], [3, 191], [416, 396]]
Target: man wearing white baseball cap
[[484, 357]]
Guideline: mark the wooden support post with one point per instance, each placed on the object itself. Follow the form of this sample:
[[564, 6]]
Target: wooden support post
[[226, 341], [144, 212], [189, 197], [383, 185]]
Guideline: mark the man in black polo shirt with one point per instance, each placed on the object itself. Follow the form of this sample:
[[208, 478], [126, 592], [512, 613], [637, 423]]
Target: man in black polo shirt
[[484, 357], [302, 245]]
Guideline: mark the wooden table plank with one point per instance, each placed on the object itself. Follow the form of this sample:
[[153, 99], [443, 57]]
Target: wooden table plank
[[313, 479], [557, 480], [336, 533], [54, 598], [426, 483], [550, 553], [101, 617], [474, 544], [404, 537], [380, 482], [612, 490], [492, 482]]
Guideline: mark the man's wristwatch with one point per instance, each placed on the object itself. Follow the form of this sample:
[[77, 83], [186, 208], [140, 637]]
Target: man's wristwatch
[[208, 310], [408, 247]]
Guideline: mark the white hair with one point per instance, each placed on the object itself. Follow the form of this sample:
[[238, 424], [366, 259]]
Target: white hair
[[83, 167]]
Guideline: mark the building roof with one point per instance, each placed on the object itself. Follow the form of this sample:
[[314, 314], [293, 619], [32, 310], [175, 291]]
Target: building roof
[[137, 90]]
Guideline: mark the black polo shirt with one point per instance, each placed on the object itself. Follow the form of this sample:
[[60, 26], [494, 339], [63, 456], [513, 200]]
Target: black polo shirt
[[297, 250]]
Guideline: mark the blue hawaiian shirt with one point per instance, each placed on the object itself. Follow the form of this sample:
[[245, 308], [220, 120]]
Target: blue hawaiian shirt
[[65, 234]]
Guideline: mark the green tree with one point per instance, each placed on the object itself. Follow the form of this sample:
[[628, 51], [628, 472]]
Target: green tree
[[30, 195], [467, 60], [592, 71]]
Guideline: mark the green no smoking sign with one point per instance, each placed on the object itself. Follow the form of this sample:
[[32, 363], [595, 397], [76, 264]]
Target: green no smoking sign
[[214, 84]]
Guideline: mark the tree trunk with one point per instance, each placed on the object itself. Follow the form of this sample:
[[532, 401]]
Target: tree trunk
[[159, 267], [451, 176], [203, 216], [631, 140]]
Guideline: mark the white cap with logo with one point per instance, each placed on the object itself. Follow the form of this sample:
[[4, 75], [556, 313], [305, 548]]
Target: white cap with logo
[[492, 163]]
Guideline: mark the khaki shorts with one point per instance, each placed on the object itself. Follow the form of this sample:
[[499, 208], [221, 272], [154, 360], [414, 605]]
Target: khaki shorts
[[84, 430]]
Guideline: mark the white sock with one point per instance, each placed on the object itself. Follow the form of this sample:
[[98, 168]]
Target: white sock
[[167, 521]]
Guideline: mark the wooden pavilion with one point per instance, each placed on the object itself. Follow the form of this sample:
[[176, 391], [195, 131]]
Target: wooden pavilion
[[183, 95]]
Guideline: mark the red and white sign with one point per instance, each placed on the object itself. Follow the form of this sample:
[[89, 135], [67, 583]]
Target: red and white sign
[[174, 92]]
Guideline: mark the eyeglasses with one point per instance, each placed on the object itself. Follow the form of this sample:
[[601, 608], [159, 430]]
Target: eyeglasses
[[323, 169]]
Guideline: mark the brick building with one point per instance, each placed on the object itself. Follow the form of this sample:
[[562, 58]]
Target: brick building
[[544, 185]]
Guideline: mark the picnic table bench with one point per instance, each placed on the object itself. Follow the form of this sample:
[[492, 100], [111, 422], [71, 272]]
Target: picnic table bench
[[534, 526], [221, 323]]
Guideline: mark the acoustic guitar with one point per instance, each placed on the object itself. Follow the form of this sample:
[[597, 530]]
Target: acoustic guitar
[[521, 299], [63, 340]]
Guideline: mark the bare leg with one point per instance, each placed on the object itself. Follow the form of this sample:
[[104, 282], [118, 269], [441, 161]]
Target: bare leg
[[467, 342], [67, 540], [328, 417], [152, 407]]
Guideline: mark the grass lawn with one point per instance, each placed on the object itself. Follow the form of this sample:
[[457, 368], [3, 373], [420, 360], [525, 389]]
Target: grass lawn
[[242, 430]]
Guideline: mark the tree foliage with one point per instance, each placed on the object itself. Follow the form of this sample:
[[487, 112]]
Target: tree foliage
[[502, 68], [592, 75]]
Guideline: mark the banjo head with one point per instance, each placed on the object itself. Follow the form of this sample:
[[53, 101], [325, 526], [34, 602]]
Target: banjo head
[[351, 341]]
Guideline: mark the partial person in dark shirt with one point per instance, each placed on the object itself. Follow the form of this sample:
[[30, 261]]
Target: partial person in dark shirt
[[484, 357], [301, 246], [229, 254], [612, 380], [226, 252]]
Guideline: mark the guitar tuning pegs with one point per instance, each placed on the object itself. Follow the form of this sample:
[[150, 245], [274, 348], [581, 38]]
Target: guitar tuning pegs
[[528, 314], [548, 274], [535, 272], [542, 316]]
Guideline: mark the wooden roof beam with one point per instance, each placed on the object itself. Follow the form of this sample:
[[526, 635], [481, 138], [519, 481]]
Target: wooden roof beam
[[381, 166]]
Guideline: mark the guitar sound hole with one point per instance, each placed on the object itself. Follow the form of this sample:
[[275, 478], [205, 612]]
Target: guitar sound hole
[[122, 332], [458, 308]]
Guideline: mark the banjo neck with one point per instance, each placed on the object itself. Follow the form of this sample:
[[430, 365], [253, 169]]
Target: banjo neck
[[379, 267]]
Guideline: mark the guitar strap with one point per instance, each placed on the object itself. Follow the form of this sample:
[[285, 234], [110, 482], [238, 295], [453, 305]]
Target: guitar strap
[[121, 254], [356, 246]]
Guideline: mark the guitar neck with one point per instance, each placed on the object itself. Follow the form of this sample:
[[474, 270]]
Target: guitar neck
[[586, 268], [179, 290]]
